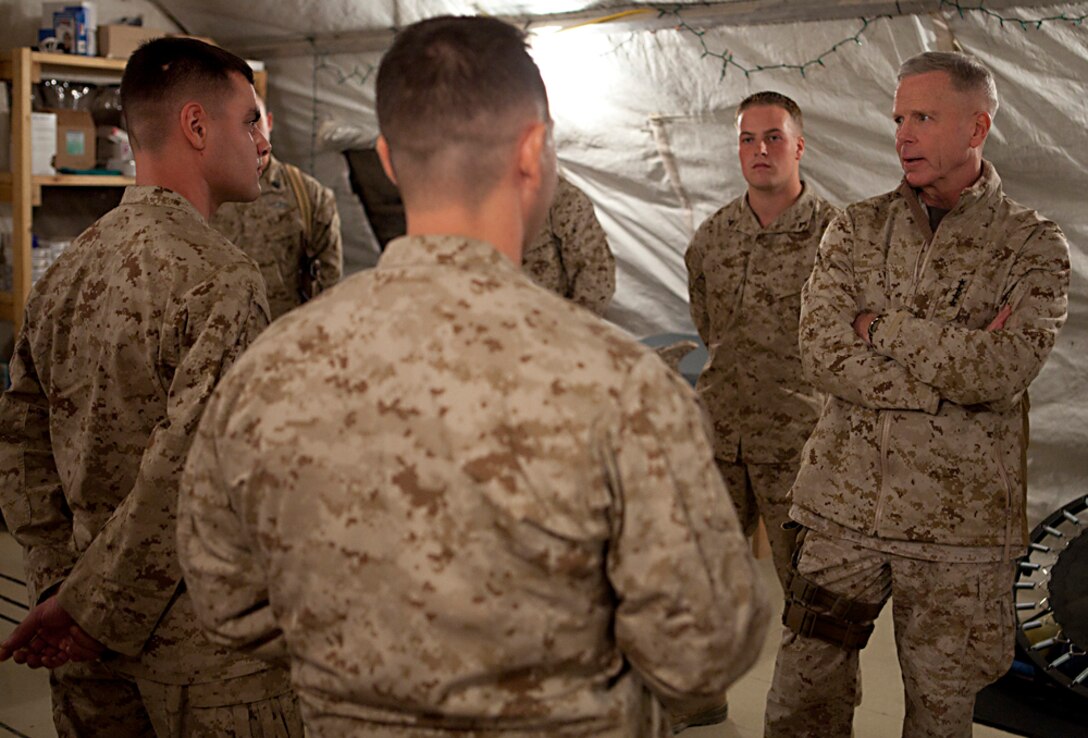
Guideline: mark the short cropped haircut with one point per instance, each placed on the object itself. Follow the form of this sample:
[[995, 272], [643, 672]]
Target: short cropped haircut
[[457, 87], [967, 73], [777, 99], [163, 74]]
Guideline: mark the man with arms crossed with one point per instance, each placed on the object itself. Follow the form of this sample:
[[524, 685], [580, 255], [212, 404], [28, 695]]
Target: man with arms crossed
[[929, 312], [746, 266], [125, 337], [462, 504]]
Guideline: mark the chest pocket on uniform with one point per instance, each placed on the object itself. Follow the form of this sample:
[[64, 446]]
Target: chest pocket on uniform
[[968, 299], [788, 277], [724, 270]]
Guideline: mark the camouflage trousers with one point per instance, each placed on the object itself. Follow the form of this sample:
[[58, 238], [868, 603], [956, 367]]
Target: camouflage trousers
[[334, 718], [92, 699], [953, 631], [329, 726], [763, 490]]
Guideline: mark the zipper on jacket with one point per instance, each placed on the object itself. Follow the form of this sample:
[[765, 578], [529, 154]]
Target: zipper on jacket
[[1004, 474], [885, 435], [922, 263]]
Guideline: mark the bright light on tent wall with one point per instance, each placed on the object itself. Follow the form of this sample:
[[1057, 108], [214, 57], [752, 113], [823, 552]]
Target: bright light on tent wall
[[576, 64], [541, 7]]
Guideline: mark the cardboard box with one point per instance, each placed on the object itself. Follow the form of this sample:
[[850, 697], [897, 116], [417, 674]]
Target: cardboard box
[[75, 140], [118, 42], [43, 142]]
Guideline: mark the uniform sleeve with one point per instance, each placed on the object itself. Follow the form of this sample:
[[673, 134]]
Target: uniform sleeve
[[325, 239], [31, 495], [588, 260], [974, 367], [128, 575], [693, 259], [691, 612], [833, 357], [222, 570]]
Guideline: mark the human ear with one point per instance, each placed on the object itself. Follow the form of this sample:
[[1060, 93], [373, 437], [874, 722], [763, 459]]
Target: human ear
[[983, 122], [194, 124], [382, 147], [534, 150], [800, 147]]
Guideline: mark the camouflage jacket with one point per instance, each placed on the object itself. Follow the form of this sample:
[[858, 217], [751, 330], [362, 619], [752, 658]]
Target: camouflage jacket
[[124, 339], [461, 502], [271, 231], [745, 284], [570, 255], [923, 436]]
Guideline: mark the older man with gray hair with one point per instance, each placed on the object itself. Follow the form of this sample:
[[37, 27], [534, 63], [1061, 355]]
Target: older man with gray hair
[[929, 312]]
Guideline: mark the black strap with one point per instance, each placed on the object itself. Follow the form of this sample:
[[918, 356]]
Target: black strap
[[808, 592], [805, 621]]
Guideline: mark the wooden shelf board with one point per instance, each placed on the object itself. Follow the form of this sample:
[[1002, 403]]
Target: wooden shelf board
[[53, 62], [82, 180], [75, 61], [61, 180]]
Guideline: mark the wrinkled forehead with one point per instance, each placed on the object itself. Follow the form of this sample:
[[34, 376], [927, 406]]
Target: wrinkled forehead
[[932, 90]]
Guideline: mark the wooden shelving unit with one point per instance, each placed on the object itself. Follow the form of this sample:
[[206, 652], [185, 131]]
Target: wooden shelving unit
[[24, 67]]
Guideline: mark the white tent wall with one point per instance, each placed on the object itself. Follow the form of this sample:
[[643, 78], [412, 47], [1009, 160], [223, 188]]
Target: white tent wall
[[644, 125]]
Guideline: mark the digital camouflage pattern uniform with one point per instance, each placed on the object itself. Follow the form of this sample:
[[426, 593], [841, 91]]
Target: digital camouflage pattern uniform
[[124, 339], [570, 256], [912, 482], [271, 231], [745, 281], [468, 507]]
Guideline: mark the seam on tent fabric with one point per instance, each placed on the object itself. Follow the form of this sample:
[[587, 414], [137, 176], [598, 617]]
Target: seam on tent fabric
[[660, 133], [946, 37]]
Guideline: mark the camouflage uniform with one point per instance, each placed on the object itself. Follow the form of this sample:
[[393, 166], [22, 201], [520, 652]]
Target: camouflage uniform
[[124, 339], [745, 282], [464, 504], [912, 480], [270, 230], [570, 255]]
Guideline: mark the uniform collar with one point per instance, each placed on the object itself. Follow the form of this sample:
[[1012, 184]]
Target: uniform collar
[[158, 197], [452, 251], [797, 218], [985, 188], [272, 177]]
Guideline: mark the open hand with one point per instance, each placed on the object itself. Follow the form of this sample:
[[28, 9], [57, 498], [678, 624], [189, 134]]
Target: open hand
[[49, 637]]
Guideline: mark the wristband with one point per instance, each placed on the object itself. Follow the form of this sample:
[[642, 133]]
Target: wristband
[[872, 327]]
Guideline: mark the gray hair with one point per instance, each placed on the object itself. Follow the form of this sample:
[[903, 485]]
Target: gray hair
[[967, 73]]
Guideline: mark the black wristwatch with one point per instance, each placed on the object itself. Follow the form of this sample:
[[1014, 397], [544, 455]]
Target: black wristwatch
[[872, 327]]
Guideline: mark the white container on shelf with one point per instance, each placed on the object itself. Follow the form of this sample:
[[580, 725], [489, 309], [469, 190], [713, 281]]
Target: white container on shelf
[[41, 258], [7, 254], [5, 129], [43, 142]]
